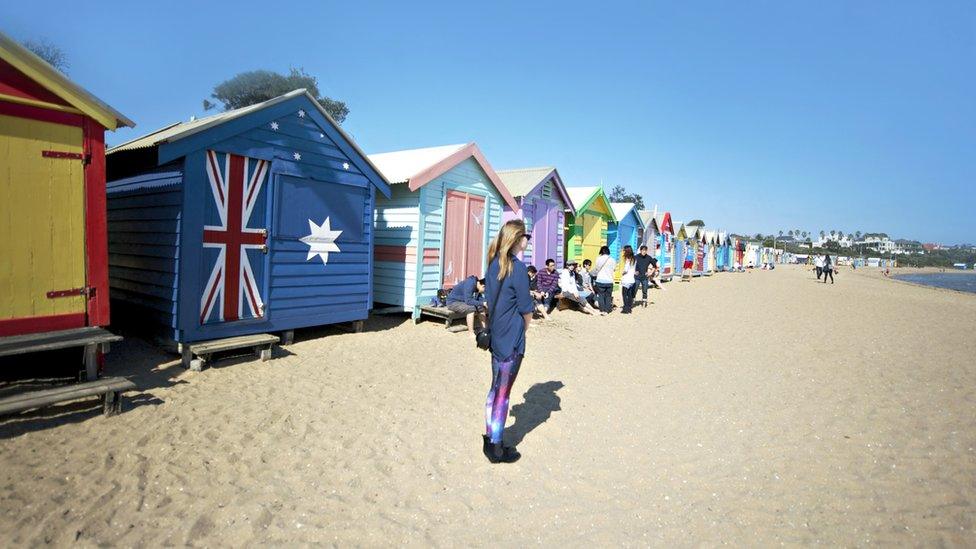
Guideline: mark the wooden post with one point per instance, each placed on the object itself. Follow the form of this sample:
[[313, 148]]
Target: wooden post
[[91, 362], [187, 356], [358, 326], [287, 337]]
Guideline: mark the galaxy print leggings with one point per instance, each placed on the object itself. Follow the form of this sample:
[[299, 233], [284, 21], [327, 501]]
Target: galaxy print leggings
[[503, 374]]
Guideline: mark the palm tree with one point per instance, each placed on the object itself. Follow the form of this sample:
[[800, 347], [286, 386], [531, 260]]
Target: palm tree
[[790, 232], [822, 234], [805, 234], [781, 233], [857, 235]]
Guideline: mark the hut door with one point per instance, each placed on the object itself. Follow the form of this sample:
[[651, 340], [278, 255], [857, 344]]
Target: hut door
[[235, 235], [592, 240], [541, 230], [43, 211], [464, 237]]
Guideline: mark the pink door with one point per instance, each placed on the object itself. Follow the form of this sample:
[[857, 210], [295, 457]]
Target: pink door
[[464, 235]]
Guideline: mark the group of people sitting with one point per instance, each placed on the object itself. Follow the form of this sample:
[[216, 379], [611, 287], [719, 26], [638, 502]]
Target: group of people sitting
[[587, 288]]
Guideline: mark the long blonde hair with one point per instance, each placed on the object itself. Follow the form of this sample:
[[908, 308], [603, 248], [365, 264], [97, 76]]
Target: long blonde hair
[[501, 247]]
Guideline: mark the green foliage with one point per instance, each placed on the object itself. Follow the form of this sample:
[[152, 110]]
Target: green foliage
[[248, 88], [620, 194], [697, 222], [49, 52]]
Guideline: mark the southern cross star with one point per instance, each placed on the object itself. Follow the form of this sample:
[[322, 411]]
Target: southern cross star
[[301, 114], [321, 241], [274, 126], [297, 156]]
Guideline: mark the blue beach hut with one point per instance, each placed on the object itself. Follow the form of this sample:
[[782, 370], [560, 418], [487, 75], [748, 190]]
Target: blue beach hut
[[433, 230], [625, 231], [254, 220]]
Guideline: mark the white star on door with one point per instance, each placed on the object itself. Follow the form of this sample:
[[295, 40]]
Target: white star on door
[[321, 241]]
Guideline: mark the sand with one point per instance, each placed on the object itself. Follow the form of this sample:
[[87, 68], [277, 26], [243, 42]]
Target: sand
[[751, 409]]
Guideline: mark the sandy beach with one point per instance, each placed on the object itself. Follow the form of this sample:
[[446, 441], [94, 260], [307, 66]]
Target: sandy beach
[[751, 409]]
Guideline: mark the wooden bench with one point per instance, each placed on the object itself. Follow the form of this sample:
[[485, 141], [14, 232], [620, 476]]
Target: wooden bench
[[110, 388], [203, 350], [91, 338], [443, 313]]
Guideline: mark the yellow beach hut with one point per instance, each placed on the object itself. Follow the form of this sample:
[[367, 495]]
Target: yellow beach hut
[[586, 227]]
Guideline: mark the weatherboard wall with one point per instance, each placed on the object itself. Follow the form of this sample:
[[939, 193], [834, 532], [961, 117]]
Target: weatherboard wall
[[144, 221]]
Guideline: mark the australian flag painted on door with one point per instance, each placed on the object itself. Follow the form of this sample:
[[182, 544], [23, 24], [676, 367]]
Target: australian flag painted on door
[[234, 238]]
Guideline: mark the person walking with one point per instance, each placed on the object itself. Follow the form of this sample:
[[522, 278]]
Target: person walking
[[603, 274], [828, 269], [628, 281], [509, 314], [818, 264]]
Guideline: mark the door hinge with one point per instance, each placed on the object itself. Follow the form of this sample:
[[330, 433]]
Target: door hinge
[[86, 291], [63, 154]]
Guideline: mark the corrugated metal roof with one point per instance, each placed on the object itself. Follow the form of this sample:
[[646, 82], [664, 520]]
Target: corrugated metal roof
[[163, 177], [621, 209], [54, 80], [520, 182], [400, 166], [179, 130]]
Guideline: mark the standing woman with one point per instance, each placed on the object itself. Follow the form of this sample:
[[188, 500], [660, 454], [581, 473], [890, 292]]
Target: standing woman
[[509, 314], [603, 274], [828, 269], [628, 282]]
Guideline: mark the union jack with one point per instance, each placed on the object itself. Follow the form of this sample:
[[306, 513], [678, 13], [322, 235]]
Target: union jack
[[235, 184]]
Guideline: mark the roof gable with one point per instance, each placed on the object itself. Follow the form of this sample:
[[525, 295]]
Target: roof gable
[[54, 81], [627, 211], [417, 167], [178, 140], [664, 223], [590, 198], [526, 181]]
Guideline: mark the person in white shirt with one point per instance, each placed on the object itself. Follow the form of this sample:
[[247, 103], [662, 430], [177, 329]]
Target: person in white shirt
[[603, 274], [818, 263], [569, 288]]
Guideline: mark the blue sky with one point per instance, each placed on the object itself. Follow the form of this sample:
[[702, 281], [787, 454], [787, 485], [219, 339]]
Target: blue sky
[[753, 116]]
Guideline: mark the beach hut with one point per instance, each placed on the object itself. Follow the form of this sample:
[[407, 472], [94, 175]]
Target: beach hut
[[681, 249], [258, 219], [542, 204], [586, 224], [625, 231], [434, 230], [649, 237], [52, 143], [665, 246], [696, 239], [711, 252]]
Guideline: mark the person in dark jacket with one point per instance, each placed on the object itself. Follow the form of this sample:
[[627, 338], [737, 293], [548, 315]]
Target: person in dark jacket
[[509, 314], [548, 283], [466, 298]]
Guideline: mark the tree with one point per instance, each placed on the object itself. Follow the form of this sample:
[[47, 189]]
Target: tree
[[805, 234], [822, 234], [857, 235], [248, 88], [790, 232], [698, 222], [49, 52], [781, 233], [620, 194]]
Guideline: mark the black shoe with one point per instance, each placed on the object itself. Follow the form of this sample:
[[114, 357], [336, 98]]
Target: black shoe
[[496, 453], [625, 312]]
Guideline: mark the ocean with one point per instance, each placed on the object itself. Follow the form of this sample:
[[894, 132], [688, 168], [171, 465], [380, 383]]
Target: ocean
[[964, 282]]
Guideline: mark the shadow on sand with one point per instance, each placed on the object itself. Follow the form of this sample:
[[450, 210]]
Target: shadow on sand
[[540, 402]]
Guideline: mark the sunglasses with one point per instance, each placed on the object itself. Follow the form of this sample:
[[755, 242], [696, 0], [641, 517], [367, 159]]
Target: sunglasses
[[527, 236]]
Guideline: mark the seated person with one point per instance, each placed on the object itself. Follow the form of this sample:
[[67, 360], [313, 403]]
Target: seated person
[[467, 298], [570, 290], [548, 284], [538, 298], [586, 282]]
